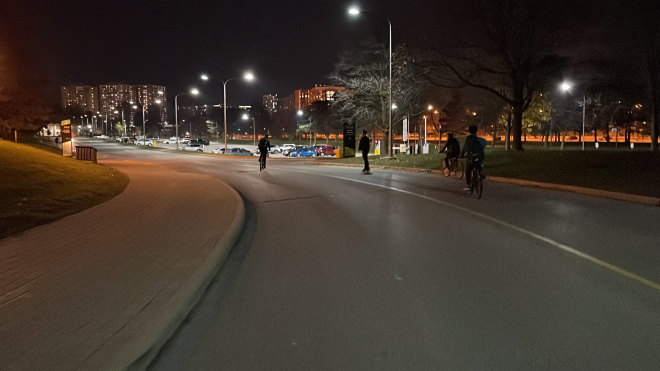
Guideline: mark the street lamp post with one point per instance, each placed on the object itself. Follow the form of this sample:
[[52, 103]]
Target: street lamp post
[[354, 11], [176, 113], [566, 87], [254, 128], [248, 76]]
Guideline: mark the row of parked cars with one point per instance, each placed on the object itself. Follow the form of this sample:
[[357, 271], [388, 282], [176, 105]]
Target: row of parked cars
[[293, 150]]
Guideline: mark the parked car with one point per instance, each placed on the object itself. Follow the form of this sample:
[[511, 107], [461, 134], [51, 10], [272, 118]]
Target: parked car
[[144, 142], [184, 140], [169, 141], [286, 148], [302, 151], [194, 148], [103, 137], [324, 150], [199, 141], [275, 149], [218, 150], [238, 152]]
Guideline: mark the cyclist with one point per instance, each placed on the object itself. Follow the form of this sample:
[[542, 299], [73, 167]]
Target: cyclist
[[264, 147], [474, 149], [451, 148]]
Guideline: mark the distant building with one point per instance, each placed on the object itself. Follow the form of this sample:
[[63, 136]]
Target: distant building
[[152, 96], [83, 96], [303, 98], [270, 102], [112, 95]]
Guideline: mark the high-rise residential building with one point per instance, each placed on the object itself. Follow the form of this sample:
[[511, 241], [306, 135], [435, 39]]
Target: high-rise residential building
[[305, 97], [83, 96], [112, 96], [270, 102], [152, 96]]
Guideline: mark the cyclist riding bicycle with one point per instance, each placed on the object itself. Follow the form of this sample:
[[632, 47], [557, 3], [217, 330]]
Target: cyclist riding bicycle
[[451, 148], [473, 149], [264, 147]]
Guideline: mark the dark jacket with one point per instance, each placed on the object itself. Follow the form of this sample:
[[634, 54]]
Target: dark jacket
[[264, 145], [473, 148], [364, 144], [452, 148]]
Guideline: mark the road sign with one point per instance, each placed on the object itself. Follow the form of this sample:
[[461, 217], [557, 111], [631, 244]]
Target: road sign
[[66, 138], [349, 137], [405, 129]]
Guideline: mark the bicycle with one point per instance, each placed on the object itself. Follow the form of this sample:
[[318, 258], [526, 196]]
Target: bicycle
[[455, 167], [477, 180]]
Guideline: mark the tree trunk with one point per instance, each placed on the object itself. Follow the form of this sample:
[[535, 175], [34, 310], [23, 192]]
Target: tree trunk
[[655, 120], [384, 144], [507, 140], [517, 126], [563, 140]]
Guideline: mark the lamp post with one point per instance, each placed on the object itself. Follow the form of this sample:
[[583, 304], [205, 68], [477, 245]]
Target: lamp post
[[567, 87], [355, 12], [176, 113], [248, 76], [144, 134], [254, 128]]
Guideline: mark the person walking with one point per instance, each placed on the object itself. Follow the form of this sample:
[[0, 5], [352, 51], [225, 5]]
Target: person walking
[[364, 147]]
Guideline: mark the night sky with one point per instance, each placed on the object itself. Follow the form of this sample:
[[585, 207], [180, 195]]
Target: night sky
[[286, 44]]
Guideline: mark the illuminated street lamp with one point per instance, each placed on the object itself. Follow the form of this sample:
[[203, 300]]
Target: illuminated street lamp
[[356, 12], [248, 76], [566, 87], [176, 113], [254, 129]]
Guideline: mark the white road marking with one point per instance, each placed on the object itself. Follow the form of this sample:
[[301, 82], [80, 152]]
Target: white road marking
[[568, 249]]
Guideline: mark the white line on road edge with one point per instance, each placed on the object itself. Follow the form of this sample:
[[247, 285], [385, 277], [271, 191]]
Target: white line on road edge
[[568, 249]]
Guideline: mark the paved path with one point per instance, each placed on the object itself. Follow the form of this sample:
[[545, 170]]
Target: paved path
[[103, 289]]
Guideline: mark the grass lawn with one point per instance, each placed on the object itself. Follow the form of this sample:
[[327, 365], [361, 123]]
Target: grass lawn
[[39, 186], [635, 172]]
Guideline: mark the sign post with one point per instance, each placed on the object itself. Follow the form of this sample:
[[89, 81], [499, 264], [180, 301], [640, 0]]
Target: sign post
[[349, 137], [66, 138]]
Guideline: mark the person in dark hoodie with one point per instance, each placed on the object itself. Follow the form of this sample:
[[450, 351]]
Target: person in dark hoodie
[[364, 147]]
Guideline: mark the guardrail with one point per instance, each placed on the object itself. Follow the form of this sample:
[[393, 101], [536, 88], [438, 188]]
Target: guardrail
[[86, 154]]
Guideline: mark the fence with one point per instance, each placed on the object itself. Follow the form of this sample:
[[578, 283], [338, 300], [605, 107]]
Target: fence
[[86, 154]]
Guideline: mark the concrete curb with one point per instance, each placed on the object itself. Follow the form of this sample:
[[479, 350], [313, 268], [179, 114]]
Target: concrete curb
[[643, 200], [139, 352], [637, 199]]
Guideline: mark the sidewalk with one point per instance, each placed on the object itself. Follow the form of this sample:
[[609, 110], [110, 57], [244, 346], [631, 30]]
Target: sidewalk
[[105, 288]]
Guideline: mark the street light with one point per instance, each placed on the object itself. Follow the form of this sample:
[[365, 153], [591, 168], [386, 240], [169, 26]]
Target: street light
[[254, 129], [566, 87], [248, 76], [356, 12], [176, 113]]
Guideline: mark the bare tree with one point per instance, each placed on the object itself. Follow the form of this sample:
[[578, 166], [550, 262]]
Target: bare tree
[[510, 51], [364, 72]]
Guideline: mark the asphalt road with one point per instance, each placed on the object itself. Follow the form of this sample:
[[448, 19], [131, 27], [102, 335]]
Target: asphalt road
[[399, 271]]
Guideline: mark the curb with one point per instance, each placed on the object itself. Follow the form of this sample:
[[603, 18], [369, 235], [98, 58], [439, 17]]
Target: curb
[[643, 200], [140, 351], [637, 199]]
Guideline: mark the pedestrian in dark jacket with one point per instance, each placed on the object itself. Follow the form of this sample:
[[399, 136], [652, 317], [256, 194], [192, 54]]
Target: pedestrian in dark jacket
[[364, 147]]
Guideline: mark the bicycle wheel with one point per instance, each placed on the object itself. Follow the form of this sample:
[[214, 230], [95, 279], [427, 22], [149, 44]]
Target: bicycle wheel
[[478, 183], [446, 171], [459, 169], [472, 180]]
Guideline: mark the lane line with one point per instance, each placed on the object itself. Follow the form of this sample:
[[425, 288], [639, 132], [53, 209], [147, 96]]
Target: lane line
[[645, 281]]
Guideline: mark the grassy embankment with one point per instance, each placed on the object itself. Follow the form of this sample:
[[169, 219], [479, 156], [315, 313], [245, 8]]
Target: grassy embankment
[[39, 187], [634, 172]]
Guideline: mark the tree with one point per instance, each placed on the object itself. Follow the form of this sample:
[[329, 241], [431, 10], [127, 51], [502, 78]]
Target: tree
[[24, 95], [365, 73], [325, 118], [509, 52]]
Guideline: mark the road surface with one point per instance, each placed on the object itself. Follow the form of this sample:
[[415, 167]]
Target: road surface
[[399, 271]]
